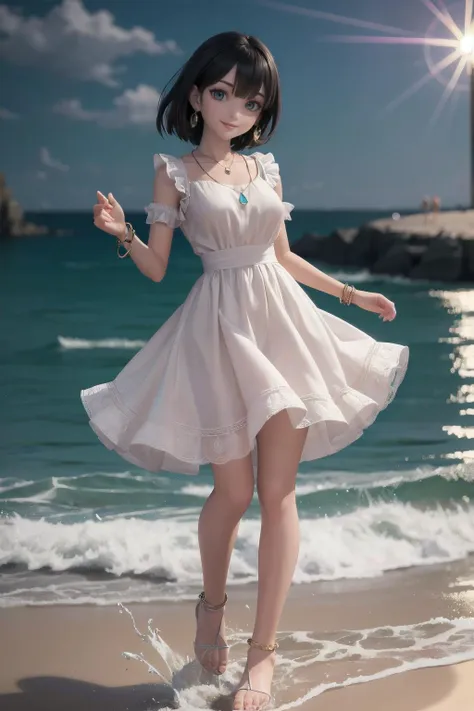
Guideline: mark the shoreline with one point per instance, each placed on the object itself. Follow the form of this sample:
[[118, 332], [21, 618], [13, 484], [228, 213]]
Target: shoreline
[[345, 633]]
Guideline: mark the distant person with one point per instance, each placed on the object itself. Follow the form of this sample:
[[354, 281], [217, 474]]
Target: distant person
[[425, 207], [248, 365], [435, 207]]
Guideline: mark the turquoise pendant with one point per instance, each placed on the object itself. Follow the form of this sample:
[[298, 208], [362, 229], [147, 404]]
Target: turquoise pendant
[[242, 199]]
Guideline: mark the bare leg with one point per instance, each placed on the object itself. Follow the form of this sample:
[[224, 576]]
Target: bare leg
[[279, 452], [218, 527]]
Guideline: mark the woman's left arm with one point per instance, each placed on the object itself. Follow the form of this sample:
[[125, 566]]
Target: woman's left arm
[[311, 276]]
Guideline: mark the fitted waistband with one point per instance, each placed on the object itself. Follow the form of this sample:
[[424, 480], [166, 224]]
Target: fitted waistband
[[244, 256]]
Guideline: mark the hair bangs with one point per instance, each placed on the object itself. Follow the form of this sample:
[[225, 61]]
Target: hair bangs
[[256, 71], [252, 76]]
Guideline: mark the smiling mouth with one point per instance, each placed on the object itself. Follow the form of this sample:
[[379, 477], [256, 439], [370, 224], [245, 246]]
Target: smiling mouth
[[228, 125]]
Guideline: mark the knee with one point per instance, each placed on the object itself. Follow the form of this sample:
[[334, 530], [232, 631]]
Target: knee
[[236, 499], [275, 500]]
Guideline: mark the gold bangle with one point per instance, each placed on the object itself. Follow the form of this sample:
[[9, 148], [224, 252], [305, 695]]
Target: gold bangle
[[347, 295], [342, 298]]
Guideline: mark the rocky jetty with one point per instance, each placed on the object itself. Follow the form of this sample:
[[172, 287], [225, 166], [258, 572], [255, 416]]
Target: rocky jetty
[[12, 221], [437, 247]]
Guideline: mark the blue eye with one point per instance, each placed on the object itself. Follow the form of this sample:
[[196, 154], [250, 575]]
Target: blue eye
[[218, 94], [256, 106]]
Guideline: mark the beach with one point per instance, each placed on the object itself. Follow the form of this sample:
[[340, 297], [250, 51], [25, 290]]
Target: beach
[[400, 641], [379, 617], [352, 146]]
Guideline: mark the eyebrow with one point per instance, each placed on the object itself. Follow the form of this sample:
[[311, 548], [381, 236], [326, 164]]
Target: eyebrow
[[232, 87]]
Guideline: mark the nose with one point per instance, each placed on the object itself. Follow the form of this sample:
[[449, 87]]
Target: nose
[[234, 113], [234, 116]]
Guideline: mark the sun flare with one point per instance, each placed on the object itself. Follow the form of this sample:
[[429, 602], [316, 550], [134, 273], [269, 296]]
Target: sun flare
[[466, 45]]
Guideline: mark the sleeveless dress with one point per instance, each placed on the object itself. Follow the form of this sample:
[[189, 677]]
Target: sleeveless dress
[[246, 343]]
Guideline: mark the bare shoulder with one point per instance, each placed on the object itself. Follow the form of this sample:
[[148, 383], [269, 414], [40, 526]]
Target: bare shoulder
[[187, 158]]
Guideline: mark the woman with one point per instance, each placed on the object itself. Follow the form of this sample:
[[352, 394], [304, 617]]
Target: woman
[[247, 372]]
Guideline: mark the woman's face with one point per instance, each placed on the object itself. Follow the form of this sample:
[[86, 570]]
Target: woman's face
[[227, 115]]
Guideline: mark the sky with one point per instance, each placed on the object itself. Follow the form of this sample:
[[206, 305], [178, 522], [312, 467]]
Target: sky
[[81, 80]]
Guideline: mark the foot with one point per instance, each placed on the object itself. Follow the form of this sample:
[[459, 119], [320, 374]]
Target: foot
[[210, 646], [255, 686]]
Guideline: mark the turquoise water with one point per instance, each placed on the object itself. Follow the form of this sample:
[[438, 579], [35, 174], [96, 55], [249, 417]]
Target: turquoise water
[[73, 314]]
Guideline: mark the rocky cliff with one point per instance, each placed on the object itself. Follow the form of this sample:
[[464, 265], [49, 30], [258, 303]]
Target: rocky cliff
[[12, 222]]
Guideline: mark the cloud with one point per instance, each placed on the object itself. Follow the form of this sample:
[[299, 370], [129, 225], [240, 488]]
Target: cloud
[[75, 42], [8, 115], [50, 162], [135, 107]]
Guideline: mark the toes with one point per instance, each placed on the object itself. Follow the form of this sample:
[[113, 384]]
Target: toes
[[250, 702], [238, 705], [258, 701]]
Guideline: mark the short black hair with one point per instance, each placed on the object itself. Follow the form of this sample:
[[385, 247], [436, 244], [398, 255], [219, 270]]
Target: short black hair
[[211, 61]]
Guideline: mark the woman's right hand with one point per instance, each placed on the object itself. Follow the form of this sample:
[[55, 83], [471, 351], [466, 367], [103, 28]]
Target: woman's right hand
[[109, 216]]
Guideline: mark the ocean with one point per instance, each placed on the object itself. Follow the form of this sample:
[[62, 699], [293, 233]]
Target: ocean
[[80, 525]]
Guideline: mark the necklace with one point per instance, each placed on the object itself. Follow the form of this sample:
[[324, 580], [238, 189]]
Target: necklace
[[242, 197], [227, 169]]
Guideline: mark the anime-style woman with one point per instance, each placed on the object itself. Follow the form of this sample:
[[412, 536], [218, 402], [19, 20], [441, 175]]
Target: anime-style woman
[[248, 374]]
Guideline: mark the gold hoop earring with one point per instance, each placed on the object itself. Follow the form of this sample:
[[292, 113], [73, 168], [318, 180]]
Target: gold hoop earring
[[256, 134], [194, 119]]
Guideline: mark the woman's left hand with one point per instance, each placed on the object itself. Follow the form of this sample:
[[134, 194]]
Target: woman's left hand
[[377, 303]]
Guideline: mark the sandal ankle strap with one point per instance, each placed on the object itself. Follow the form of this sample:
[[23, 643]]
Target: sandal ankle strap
[[208, 606], [263, 647]]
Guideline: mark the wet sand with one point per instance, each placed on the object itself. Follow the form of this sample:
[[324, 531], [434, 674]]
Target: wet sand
[[55, 658]]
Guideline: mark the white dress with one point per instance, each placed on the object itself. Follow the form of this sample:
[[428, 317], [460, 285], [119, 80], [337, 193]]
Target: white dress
[[246, 343]]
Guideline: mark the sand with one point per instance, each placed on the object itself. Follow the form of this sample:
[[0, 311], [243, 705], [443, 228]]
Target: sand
[[55, 658], [454, 222]]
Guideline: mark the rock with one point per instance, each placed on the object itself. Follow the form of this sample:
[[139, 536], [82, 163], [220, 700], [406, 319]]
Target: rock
[[398, 260], [364, 248], [305, 245], [468, 260], [348, 236], [12, 222], [331, 249], [432, 248], [442, 260]]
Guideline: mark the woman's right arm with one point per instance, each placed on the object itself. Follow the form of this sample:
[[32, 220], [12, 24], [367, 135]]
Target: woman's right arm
[[152, 258]]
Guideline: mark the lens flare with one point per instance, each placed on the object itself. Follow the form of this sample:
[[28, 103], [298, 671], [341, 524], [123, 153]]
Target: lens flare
[[448, 45], [466, 45]]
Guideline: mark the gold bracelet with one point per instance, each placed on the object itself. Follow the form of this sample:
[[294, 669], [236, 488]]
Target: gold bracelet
[[128, 240], [342, 298], [347, 295]]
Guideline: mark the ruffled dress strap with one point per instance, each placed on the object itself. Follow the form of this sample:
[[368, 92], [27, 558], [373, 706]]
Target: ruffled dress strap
[[176, 171], [270, 171]]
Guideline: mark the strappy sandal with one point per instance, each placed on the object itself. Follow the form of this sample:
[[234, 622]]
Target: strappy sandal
[[264, 648], [209, 647]]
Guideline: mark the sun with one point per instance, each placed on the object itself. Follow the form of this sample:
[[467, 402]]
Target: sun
[[448, 45], [466, 44], [454, 41]]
